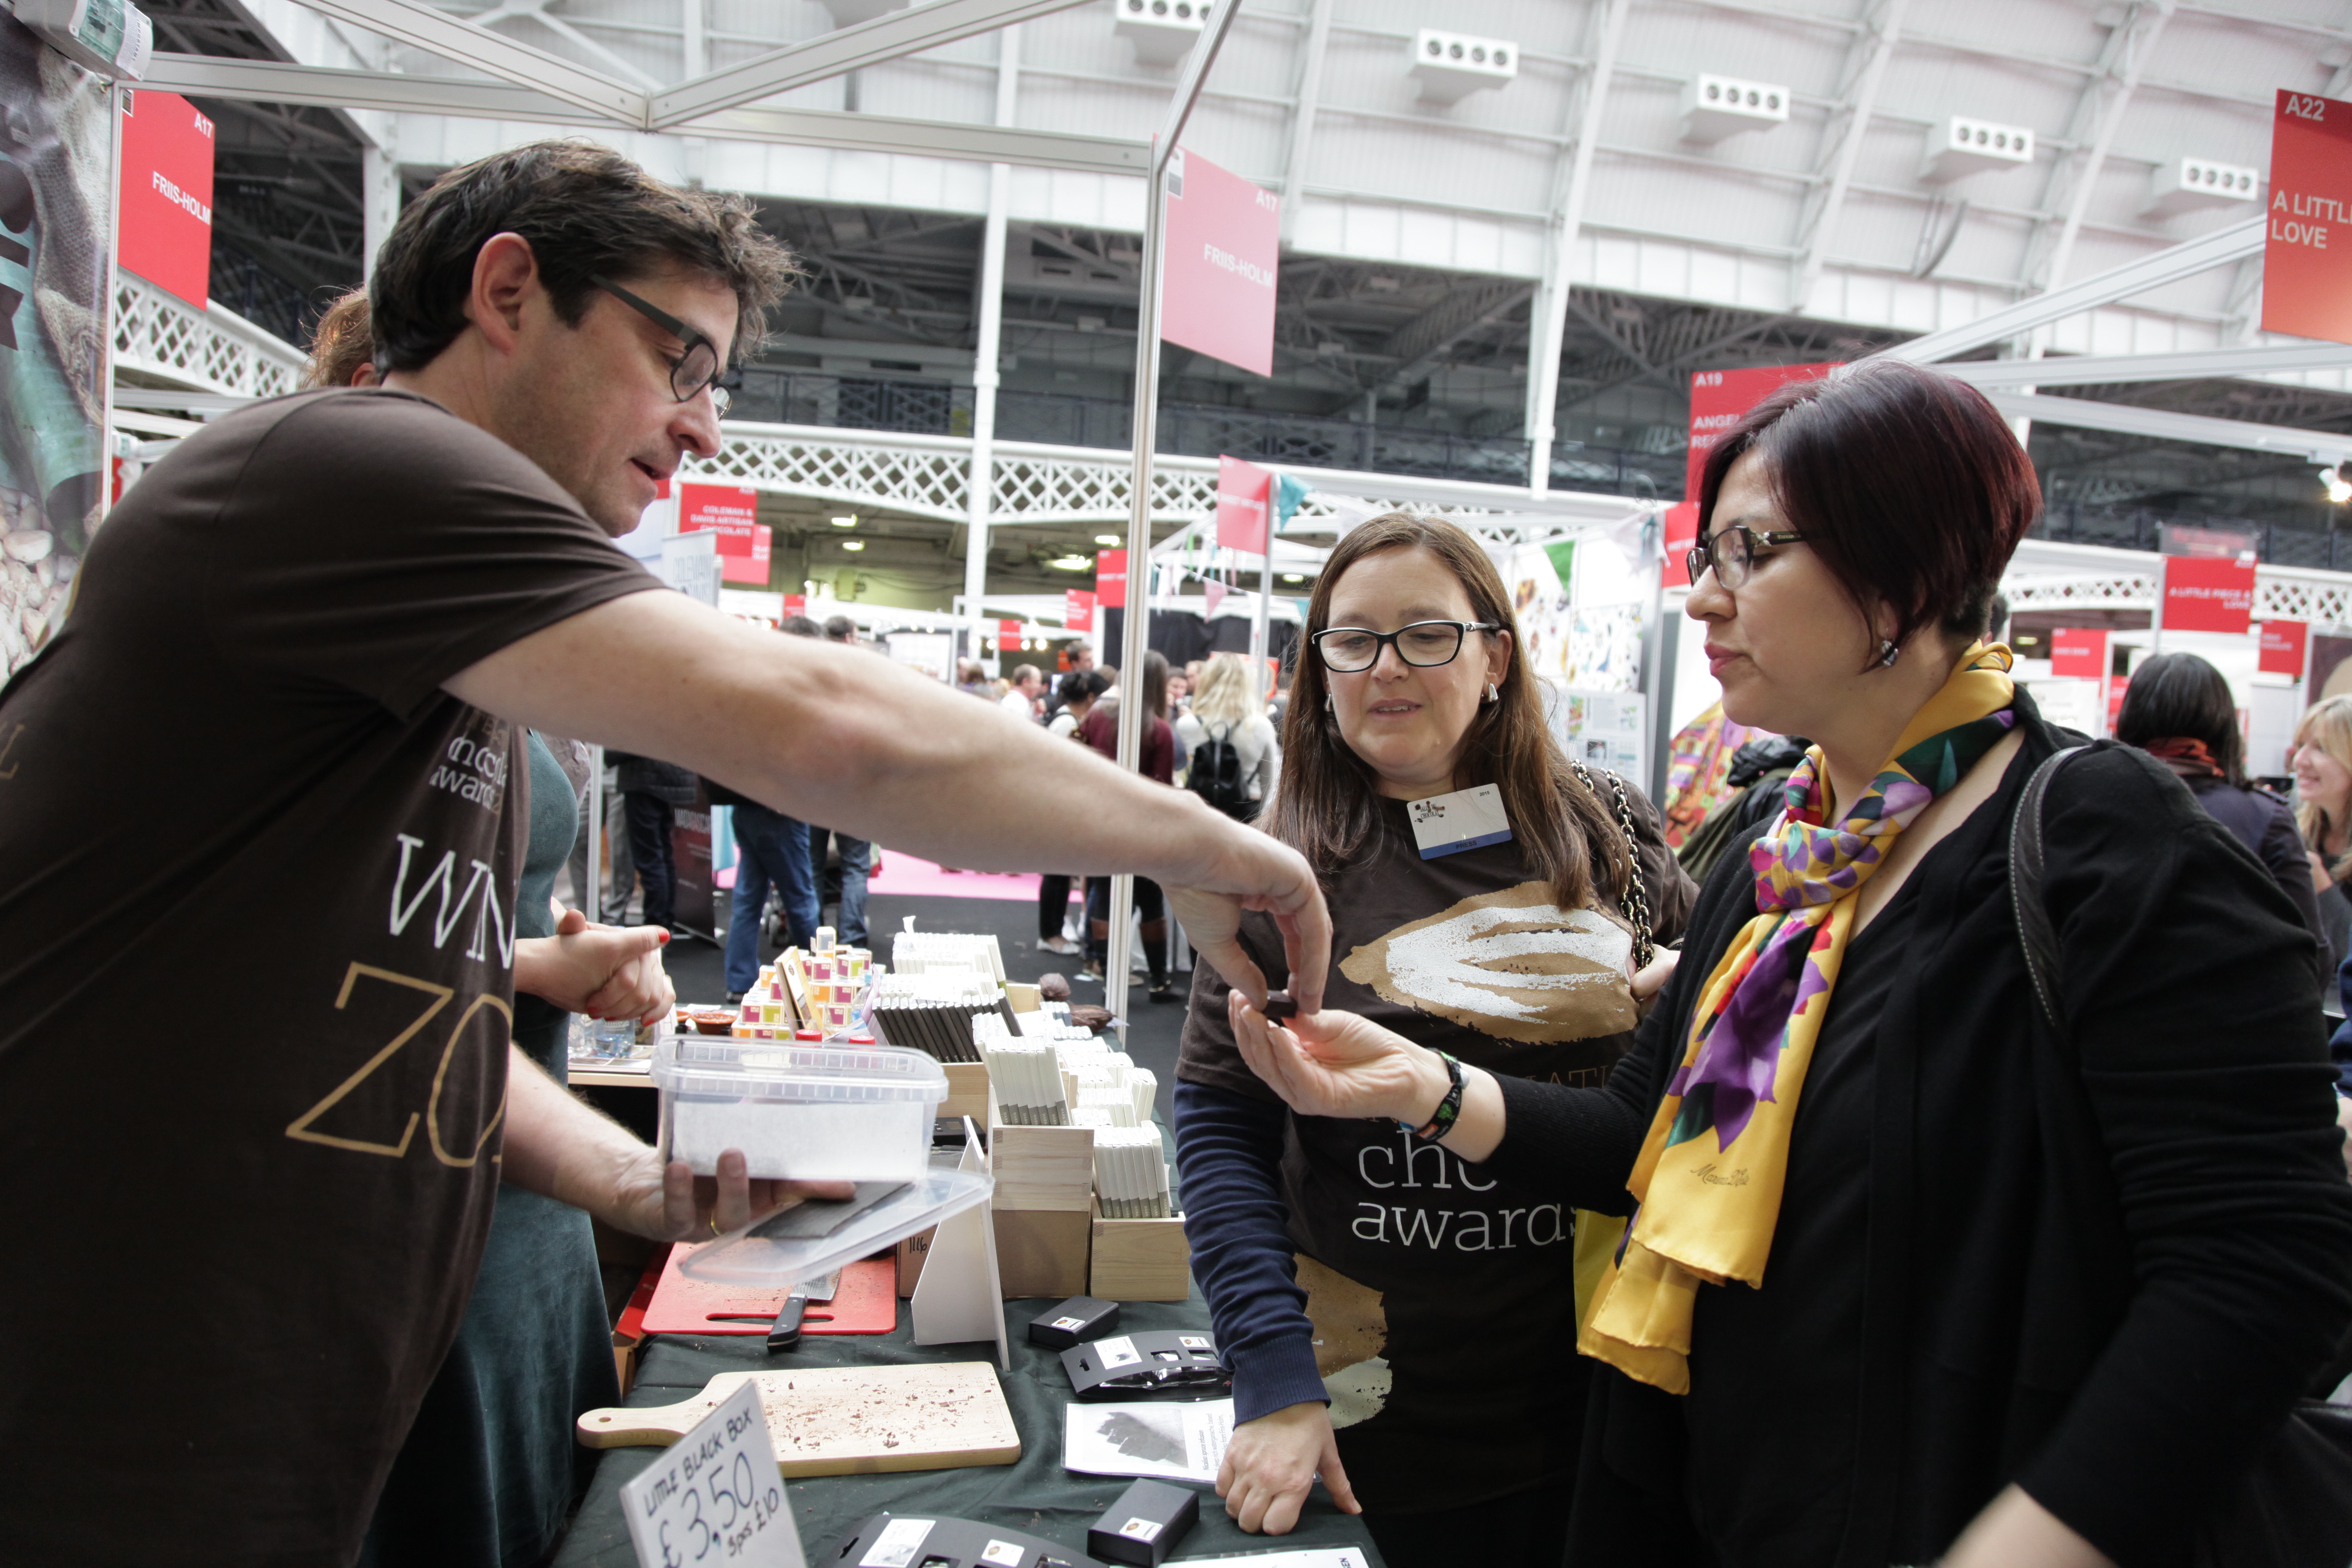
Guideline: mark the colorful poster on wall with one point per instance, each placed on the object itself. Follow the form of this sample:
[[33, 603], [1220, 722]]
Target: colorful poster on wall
[[2308, 249], [167, 193], [1224, 241], [1603, 730], [54, 323], [732, 512]]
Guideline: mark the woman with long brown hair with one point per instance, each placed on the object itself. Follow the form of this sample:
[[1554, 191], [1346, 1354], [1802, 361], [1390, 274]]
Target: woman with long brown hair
[[1358, 1264]]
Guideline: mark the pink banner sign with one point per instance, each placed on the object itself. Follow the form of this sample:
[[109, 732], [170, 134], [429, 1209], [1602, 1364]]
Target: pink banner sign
[[1215, 593], [1217, 284], [1243, 490], [1078, 609]]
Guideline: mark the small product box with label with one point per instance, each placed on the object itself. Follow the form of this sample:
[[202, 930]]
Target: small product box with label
[[1145, 1524], [804, 1111]]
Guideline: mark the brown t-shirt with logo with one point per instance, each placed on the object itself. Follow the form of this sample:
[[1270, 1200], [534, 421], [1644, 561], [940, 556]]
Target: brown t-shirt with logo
[[1442, 1296], [256, 936]]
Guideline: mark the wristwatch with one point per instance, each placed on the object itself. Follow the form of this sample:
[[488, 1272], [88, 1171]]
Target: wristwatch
[[1440, 1121]]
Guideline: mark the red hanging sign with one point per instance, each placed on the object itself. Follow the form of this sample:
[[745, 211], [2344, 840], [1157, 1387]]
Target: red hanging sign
[[1682, 531], [167, 193], [2078, 651], [2308, 249], [1243, 492], [2286, 645], [1077, 610], [1008, 635], [732, 511], [796, 604], [1214, 593], [1225, 239], [2204, 593], [1717, 399], [1110, 580]]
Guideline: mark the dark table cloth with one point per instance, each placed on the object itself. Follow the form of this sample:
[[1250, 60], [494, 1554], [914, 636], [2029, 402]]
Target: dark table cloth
[[1035, 1495]]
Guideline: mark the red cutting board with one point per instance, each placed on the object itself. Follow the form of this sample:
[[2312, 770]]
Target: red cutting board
[[865, 1303]]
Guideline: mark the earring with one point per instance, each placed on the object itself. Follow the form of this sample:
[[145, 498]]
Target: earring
[[1493, 695], [1329, 706], [1887, 654]]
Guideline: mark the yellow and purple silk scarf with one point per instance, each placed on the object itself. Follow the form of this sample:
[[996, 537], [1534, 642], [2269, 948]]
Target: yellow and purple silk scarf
[[1708, 1181]]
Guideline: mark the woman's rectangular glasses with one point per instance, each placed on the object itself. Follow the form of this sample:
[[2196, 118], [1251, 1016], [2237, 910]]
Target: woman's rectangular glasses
[[1731, 551], [701, 365], [1423, 645]]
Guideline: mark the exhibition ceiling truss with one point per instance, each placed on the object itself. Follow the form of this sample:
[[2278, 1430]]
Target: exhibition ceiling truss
[[2008, 264]]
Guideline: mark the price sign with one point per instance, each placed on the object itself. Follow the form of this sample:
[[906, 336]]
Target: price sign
[[715, 1497]]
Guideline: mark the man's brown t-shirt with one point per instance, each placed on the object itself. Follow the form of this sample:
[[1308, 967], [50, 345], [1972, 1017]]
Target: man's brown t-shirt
[[257, 924]]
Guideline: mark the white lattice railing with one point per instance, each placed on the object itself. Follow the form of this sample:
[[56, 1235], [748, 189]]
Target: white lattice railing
[[160, 336], [2284, 592], [930, 476]]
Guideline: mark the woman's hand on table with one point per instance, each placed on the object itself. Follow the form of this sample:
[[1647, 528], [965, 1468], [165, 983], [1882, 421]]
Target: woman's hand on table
[[670, 1203], [1273, 1461], [606, 971]]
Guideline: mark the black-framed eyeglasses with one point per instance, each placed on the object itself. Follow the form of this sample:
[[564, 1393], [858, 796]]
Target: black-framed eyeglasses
[[1732, 551], [701, 365], [1425, 645]]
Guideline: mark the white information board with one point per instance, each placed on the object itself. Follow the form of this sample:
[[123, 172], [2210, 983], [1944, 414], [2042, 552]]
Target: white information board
[[715, 1496]]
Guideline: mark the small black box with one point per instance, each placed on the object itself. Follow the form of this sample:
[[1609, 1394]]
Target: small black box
[[1144, 1525], [1079, 1318]]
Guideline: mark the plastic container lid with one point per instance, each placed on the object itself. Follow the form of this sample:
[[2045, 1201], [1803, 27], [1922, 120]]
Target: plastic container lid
[[781, 1069], [747, 1257]]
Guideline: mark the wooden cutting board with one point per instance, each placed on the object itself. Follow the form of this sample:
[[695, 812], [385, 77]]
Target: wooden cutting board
[[845, 1420]]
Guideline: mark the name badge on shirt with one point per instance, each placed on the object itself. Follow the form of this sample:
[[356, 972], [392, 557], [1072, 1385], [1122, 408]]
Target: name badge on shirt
[[1466, 819]]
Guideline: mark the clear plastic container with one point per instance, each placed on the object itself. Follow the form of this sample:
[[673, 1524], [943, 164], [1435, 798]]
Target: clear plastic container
[[757, 1255], [811, 1112]]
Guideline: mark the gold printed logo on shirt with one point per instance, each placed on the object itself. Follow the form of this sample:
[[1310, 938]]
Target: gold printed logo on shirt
[[1510, 965]]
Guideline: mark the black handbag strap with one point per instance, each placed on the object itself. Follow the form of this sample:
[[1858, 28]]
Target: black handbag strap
[[2035, 933]]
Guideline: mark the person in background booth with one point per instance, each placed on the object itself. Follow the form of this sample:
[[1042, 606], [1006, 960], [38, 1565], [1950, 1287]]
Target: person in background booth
[[2178, 709], [1430, 1305], [1227, 709], [2323, 813], [1156, 758], [1913, 1273]]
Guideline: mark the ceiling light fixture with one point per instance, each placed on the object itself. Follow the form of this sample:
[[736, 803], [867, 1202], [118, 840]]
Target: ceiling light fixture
[[853, 544], [844, 522], [1070, 562], [2339, 488], [1292, 577], [1107, 539]]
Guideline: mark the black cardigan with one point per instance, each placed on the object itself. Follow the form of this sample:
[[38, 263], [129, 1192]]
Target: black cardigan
[[2107, 1285]]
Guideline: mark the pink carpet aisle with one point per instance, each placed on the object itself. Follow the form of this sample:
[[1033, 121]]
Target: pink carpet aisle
[[904, 874]]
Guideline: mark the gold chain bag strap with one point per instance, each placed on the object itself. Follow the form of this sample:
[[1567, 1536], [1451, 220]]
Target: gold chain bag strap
[[1637, 895]]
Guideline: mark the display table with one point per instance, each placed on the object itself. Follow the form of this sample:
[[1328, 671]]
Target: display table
[[1035, 1495]]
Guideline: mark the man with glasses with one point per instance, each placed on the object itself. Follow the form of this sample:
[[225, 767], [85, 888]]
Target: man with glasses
[[334, 613]]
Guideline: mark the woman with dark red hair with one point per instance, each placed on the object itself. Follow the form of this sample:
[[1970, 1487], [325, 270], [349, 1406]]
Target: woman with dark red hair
[[1912, 1272]]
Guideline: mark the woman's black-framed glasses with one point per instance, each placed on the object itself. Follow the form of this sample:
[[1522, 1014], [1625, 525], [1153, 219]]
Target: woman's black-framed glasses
[[1732, 551], [701, 365], [1425, 645]]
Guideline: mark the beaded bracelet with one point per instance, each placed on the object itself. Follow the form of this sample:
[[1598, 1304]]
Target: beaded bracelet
[[1440, 1121]]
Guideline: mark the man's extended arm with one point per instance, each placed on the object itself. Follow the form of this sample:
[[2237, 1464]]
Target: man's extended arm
[[830, 735]]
